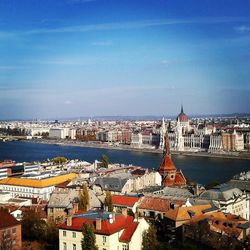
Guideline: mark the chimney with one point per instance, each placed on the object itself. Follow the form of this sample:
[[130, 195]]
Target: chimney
[[75, 207], [69, 220], [98, 224], [113, 216], [124, 211]]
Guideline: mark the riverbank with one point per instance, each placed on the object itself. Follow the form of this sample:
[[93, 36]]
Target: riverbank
[[239, 156]]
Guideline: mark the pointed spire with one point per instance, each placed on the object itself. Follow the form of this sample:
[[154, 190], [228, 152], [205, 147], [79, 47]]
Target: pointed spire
[[181, 108], [167, 147]]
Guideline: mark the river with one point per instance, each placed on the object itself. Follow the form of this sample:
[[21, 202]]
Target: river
[[200, 169]]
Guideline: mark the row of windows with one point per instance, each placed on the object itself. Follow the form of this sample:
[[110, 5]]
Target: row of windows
[[73, 234], [65, 246], [24, 189], [104, 239]]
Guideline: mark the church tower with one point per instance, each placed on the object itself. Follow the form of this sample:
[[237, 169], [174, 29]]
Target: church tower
[[167, 168], [170, 175]]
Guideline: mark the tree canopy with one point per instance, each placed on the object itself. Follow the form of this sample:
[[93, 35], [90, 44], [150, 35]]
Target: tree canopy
[[149, 239], [84, 198], [89, 239], [36, 229], [105, 161], [59, 159], [108, 201]]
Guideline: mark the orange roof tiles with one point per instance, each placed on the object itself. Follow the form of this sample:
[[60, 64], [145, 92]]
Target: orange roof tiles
[[38, 183], [166, 165], [154, 204], [183, 213], [179, 180], [122, 200], [220, 222]]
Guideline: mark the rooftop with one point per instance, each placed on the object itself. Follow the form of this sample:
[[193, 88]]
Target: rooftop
[[108, 225], [7, 220], [38, 183]]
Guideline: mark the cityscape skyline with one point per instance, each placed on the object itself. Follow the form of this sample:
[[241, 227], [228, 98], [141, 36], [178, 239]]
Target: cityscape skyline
[[76, 58]]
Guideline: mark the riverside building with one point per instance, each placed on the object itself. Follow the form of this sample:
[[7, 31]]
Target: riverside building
[[33, 188]]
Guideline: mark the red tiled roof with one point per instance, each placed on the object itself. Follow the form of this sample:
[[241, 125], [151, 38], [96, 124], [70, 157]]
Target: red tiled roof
[[154, 204], [7, 220], [178, 181], [123, 200], [121, 222], [128, 232], [166, 165]]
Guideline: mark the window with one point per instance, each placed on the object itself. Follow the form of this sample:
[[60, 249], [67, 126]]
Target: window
[[14, 229], [64, 246], [64, 233], [74, 234], [124, 247], [104, 239], [74, 247]]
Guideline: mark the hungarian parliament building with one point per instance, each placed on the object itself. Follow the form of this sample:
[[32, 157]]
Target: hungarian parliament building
[[195, 138]]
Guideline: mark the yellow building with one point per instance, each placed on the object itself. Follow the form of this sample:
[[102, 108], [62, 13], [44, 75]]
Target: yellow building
[[34, 188], [113, 231]]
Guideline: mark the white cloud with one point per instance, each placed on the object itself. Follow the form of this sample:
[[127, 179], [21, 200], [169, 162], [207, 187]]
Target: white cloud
[[242, 28], [165, 62], [127, 25]]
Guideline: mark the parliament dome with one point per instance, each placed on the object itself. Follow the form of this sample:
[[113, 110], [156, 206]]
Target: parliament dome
[[182, 117]]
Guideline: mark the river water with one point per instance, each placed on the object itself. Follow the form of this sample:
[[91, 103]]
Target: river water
[[200, 169]]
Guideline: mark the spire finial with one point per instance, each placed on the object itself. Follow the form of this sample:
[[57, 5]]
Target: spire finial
[[181, 108], [167, 147]]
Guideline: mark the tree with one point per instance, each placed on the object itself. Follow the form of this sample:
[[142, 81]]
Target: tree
[[84, 198], [52, 240], [36, 231], [105, 161], [33, 228], [6, 242], [149, 239], [59, 159], [89, 239], [108, 201]]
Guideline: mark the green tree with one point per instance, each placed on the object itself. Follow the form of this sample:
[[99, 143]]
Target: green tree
[[33, 228], [59, 159], [149, 239], [52, 239], [89, 239], [108, 201], [105, 161], [84, 198]]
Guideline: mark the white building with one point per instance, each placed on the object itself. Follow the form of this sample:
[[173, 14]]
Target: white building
[[34, 188], [228, 200], [113, 231], [3, 172], [31, 168], [60, 133]]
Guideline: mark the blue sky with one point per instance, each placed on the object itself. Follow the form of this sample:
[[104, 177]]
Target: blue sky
[[71, 58]]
